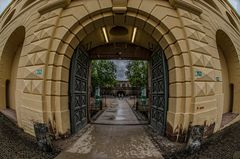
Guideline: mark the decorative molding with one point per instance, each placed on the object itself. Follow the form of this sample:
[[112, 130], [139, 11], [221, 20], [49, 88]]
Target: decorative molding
[[119, 6], [53, 4], [186, 6]]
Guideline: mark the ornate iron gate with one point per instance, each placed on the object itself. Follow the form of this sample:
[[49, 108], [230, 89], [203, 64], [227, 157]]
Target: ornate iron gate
[[159, 92], [78, 89]]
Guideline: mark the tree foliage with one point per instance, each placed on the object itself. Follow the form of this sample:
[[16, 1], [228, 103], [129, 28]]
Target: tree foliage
[[103, 73], [137, 73]]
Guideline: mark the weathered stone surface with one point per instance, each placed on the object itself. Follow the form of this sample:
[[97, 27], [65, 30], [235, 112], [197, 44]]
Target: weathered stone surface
[[201, 47]]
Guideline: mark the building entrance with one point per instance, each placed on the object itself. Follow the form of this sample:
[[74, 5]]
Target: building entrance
[[79, 88]]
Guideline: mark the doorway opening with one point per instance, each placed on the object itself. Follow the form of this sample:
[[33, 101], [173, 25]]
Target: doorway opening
[[10, 60], [229, 66], [231, 92], [87, 100], [7, 94], [228, 114], [120, 81]]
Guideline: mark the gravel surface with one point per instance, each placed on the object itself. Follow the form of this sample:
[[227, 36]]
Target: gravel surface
[[15, 144], [222, 145]]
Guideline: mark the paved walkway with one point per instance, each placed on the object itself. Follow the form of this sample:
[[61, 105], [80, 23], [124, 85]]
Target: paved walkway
[[113, 141], [118, 113]]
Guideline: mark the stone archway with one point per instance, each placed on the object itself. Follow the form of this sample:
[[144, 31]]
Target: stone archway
[[10, 60], [230, 75], [79, 84], [149, 23]]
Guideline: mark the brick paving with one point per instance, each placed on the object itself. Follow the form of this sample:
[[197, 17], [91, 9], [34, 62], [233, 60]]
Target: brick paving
[[15, 144]]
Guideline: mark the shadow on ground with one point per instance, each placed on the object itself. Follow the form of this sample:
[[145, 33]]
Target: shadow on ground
[[222, 145], [15, 144]]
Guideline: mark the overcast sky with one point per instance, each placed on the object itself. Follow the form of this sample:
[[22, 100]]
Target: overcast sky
[[121, 69], [3, 4], [236, 5]]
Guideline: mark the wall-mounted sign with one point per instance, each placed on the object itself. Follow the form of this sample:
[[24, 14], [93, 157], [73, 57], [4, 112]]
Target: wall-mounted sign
[[39, 71], [198, 74]]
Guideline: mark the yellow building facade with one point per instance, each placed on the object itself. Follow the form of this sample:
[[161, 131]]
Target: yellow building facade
[[200, 40]]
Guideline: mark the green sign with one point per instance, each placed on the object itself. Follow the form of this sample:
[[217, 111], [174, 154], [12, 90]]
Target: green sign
[[39, 72], [198, 74]]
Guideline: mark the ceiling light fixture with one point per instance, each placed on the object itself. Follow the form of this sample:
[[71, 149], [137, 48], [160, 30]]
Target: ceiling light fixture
[[134, 34], [105, 34]]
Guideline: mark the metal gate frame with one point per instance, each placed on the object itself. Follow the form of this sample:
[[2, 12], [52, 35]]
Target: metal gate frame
[[78, 89], [159, 92]]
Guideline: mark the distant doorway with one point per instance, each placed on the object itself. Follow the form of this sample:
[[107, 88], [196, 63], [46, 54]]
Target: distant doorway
[[231, 92], [120, 93], [230, 77], [7, 94], [10, 60]]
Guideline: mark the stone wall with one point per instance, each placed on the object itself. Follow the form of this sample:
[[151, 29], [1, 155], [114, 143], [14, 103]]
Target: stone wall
[[185, 29]]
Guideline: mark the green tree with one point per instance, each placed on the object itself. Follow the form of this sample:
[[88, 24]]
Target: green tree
[[103, 73], [137, 73]]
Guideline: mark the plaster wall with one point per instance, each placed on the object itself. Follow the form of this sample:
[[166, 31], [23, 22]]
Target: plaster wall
[[185, 29]]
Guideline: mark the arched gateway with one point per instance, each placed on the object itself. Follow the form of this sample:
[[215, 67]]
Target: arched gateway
[[180, 39], [79, 85]]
